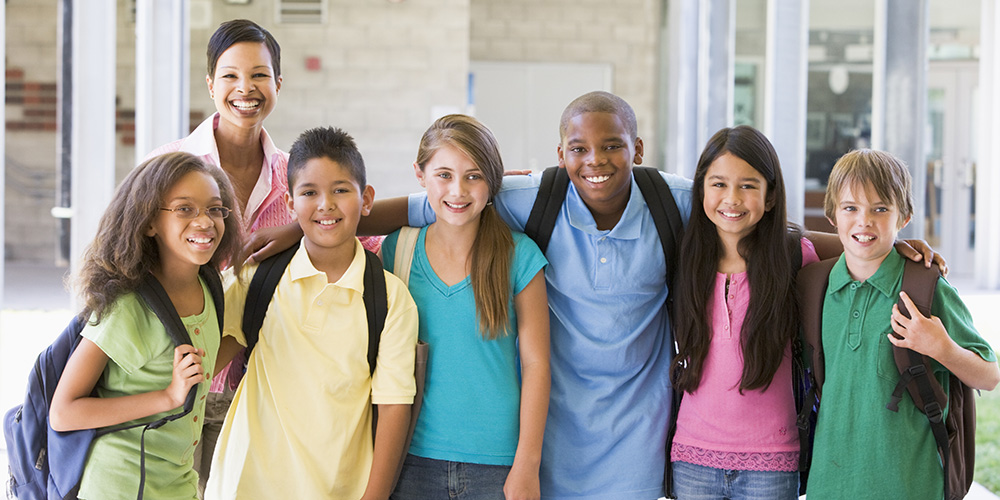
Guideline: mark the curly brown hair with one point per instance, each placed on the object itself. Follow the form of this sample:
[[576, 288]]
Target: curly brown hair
[[122, 254]]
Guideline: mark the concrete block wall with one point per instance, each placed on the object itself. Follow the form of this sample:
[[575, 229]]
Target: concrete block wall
[[624, 34]]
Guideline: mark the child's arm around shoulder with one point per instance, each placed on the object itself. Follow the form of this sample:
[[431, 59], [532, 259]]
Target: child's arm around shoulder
[[930, 337]]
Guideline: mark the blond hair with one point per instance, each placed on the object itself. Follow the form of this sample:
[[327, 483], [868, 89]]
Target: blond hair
[[871, 169]]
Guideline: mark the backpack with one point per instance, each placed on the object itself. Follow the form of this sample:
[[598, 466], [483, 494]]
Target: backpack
[[955, 434], [669, 227], [261, 290], [45, 464]]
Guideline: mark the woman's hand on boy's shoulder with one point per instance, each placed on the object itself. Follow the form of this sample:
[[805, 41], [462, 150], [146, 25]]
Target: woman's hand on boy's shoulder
[[268, 241], [919, 250]]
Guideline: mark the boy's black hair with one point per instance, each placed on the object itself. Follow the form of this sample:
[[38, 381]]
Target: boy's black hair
[[326, 142], [235, 31], [599, 101]]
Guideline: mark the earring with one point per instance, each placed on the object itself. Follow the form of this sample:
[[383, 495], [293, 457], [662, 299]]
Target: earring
[[488, 203], [211, 95]]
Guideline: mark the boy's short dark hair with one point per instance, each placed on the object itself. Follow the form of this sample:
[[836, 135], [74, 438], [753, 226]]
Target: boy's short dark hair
[[878, 170], [326, 142], [235, 31], [600, 102]]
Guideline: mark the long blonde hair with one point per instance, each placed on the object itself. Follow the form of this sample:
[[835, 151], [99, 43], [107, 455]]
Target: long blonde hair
[[493, 247]]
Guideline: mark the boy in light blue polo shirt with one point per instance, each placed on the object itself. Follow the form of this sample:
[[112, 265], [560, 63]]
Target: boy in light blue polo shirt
[[611, 344]]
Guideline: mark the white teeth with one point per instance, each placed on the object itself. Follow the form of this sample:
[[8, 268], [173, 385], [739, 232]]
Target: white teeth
[[597, 179], [732, 215], [863, 238], [246, 104], [200, 240], [452, 205], [327, 222]]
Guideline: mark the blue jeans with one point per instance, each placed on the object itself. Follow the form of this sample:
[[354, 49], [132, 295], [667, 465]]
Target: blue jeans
[[696, 482], [429, 479]]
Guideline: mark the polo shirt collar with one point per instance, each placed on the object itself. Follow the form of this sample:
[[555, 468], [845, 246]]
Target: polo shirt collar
[[629, 227], [301, 267], [885, 280]]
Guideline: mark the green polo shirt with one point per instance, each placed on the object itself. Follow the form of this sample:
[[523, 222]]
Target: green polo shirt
[[861, 449]]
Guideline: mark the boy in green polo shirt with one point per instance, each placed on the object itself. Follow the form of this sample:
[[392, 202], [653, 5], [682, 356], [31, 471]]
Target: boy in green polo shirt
[[861, 449]]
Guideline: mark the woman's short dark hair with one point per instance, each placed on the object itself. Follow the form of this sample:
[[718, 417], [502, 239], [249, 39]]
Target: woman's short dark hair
[[242, 30]]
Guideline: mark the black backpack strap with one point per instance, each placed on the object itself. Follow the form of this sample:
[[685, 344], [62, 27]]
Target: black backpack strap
[[262, 285], [156, 298], [376, 305], [214, 282], [663, 209], [548, 203], [159, 302]]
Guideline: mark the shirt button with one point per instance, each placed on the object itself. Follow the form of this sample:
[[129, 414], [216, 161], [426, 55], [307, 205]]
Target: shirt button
[[856, 314], [197, 331], [854, 286], [603, 260], [202, 396], [732, 296], [319, 302], [195, 442], [196, 418], [726, 327]]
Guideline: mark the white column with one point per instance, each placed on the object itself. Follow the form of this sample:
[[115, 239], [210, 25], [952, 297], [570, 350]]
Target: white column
[[162, 54], [699, 94], [786, 85], [988, 162], [899, 85], [93, 119], [3, 155]]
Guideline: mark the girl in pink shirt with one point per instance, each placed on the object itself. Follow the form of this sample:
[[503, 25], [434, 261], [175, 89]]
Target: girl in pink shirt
[[735, 319]]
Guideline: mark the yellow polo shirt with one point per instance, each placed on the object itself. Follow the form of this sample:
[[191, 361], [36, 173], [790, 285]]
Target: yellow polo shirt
[[300, 422]]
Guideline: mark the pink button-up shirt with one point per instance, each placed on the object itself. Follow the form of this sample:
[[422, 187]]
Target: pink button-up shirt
[[721, 428], [266, 205]]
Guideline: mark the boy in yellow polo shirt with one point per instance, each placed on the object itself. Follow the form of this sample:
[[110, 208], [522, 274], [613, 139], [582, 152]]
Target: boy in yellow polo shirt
[[300, 423]]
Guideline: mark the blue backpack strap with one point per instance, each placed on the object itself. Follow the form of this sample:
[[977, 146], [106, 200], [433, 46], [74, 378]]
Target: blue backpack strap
[[545, 210], [265, 281]]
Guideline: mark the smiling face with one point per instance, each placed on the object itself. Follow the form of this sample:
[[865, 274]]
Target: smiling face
[[867, 227], [456, 187], [736, 197], [244, 86], [186, 244], [598, 152], [328, 202]]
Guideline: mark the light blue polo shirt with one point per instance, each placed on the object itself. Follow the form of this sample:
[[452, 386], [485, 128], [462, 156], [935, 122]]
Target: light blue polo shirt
[[611, 343]]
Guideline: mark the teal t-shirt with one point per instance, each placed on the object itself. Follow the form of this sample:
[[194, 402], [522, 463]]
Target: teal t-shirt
[[142, 357], [471, 402], [861, 449]]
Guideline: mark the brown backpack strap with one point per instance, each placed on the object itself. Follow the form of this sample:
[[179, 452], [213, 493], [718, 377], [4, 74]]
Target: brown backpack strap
[[812, 282], [919, 283]]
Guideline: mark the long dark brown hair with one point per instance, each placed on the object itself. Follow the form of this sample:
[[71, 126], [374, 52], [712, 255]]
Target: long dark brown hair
[[493, 248], [122, 254], [772, 315]]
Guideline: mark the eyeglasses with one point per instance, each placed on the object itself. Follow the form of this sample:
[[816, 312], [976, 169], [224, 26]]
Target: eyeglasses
[[189, 212]]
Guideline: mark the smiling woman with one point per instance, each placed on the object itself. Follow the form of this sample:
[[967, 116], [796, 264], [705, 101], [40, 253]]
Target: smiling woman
[[243, 79]]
